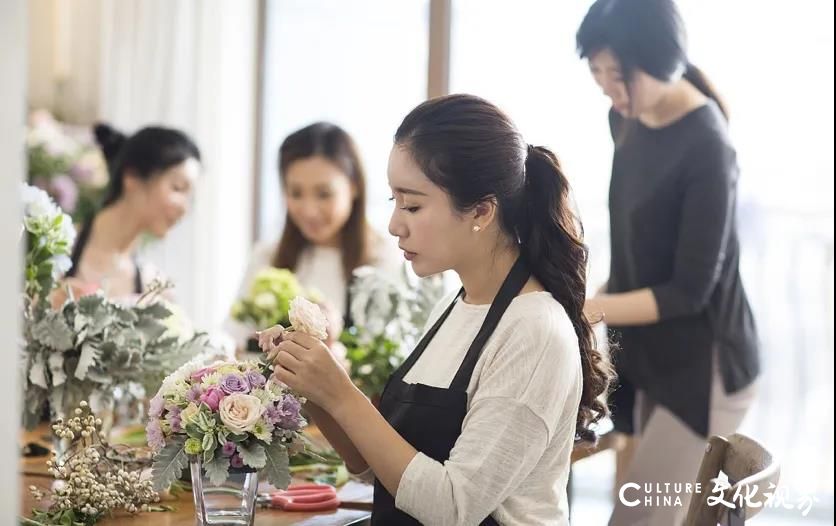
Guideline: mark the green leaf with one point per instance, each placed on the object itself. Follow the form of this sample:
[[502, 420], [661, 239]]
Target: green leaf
[[56, 368], [194, 432], [209, 442], [253, 455], [232, 437], [52, 331], [208, 455], [155, 310], [88, 305], [127, 316], [151, 329], [276, 467], [89, 355], [37, 371], [169, 464], [217, 470]]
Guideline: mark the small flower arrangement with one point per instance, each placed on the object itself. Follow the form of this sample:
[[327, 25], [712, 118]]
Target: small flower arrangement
[[230, 415], [65, 161], [268, 301], [87, 348], [89, 485], [388, 315], [49, 239]]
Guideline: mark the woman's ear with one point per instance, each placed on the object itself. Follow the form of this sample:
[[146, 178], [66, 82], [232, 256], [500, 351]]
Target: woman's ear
[[131, 182], [484, 213]]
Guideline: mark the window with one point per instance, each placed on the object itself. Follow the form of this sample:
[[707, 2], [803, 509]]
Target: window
[[360, 64]]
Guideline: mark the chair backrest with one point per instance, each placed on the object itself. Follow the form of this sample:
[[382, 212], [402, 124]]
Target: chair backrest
[[750, 469]]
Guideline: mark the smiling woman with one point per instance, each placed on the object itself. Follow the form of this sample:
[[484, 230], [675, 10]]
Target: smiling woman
[[152, 176], [326, 235]]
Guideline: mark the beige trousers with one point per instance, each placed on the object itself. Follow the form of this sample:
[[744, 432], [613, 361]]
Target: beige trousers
[[669, 451]]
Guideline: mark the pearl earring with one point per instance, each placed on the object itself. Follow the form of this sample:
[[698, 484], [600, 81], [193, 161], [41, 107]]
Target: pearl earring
[[476, 228]]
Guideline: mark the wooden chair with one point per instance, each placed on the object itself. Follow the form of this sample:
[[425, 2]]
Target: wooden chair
[[748, 465]]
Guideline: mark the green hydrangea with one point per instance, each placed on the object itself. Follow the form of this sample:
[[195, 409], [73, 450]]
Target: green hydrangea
[[268, 300]]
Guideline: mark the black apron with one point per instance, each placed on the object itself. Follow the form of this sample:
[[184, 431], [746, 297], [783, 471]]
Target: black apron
[[430, 418], [78, 250]]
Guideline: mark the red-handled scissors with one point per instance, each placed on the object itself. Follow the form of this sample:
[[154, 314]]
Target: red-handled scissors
[[302, 497]]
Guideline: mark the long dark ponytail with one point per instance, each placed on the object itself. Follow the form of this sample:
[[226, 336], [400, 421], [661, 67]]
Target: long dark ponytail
[[552, 239], [643, 34], [472, 150]]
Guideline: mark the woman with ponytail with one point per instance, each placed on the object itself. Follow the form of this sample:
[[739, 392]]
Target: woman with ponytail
[[674, 296], [478, 425], [152, 174]]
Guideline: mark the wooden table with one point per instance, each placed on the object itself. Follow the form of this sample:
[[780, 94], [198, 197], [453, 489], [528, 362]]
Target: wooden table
[[33, 473]]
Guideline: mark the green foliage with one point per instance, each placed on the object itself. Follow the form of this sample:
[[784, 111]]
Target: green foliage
[[372, 360]]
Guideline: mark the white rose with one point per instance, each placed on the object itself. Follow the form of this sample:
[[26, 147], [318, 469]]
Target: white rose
[[307, 317], [239, 412]]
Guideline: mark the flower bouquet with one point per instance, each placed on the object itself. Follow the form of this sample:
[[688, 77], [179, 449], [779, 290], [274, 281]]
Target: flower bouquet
[[225, 418], [388, 315], [228, 422], [87, 348]]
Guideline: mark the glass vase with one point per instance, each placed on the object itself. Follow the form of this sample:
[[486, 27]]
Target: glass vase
[[233, 502]]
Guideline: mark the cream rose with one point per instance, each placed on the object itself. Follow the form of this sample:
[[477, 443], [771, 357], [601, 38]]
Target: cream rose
[[187, 414], [239, 412], [307, 317]]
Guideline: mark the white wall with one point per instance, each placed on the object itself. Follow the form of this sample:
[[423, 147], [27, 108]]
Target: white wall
[[12, 101]]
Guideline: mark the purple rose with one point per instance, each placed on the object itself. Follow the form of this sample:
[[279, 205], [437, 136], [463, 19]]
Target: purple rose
[[235, 383], [255, 379], [155, 408], [212, 397], [198, 375], [236, 461], [228, 449], [154, 433], [287, 414], [193, 394]]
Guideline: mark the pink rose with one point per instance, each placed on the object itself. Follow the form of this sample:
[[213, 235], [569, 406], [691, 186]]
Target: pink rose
[[212, 397], [198, 375]]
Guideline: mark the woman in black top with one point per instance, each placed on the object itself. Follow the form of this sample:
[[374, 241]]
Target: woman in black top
[[674, 295], [152, 174]]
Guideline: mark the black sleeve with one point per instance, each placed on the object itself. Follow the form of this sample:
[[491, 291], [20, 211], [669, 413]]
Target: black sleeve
[[709, 188]]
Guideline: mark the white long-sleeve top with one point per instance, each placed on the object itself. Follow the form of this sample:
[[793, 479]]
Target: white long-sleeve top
[[513, 456]]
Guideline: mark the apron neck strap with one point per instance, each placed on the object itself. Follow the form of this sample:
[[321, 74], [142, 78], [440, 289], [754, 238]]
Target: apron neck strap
[[513, 284]]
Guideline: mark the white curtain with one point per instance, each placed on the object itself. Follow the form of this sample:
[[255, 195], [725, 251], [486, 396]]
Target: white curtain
[[183, 63], [192, 65]]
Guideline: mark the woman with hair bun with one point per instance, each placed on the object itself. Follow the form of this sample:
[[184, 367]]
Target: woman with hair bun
[[152, 176]]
